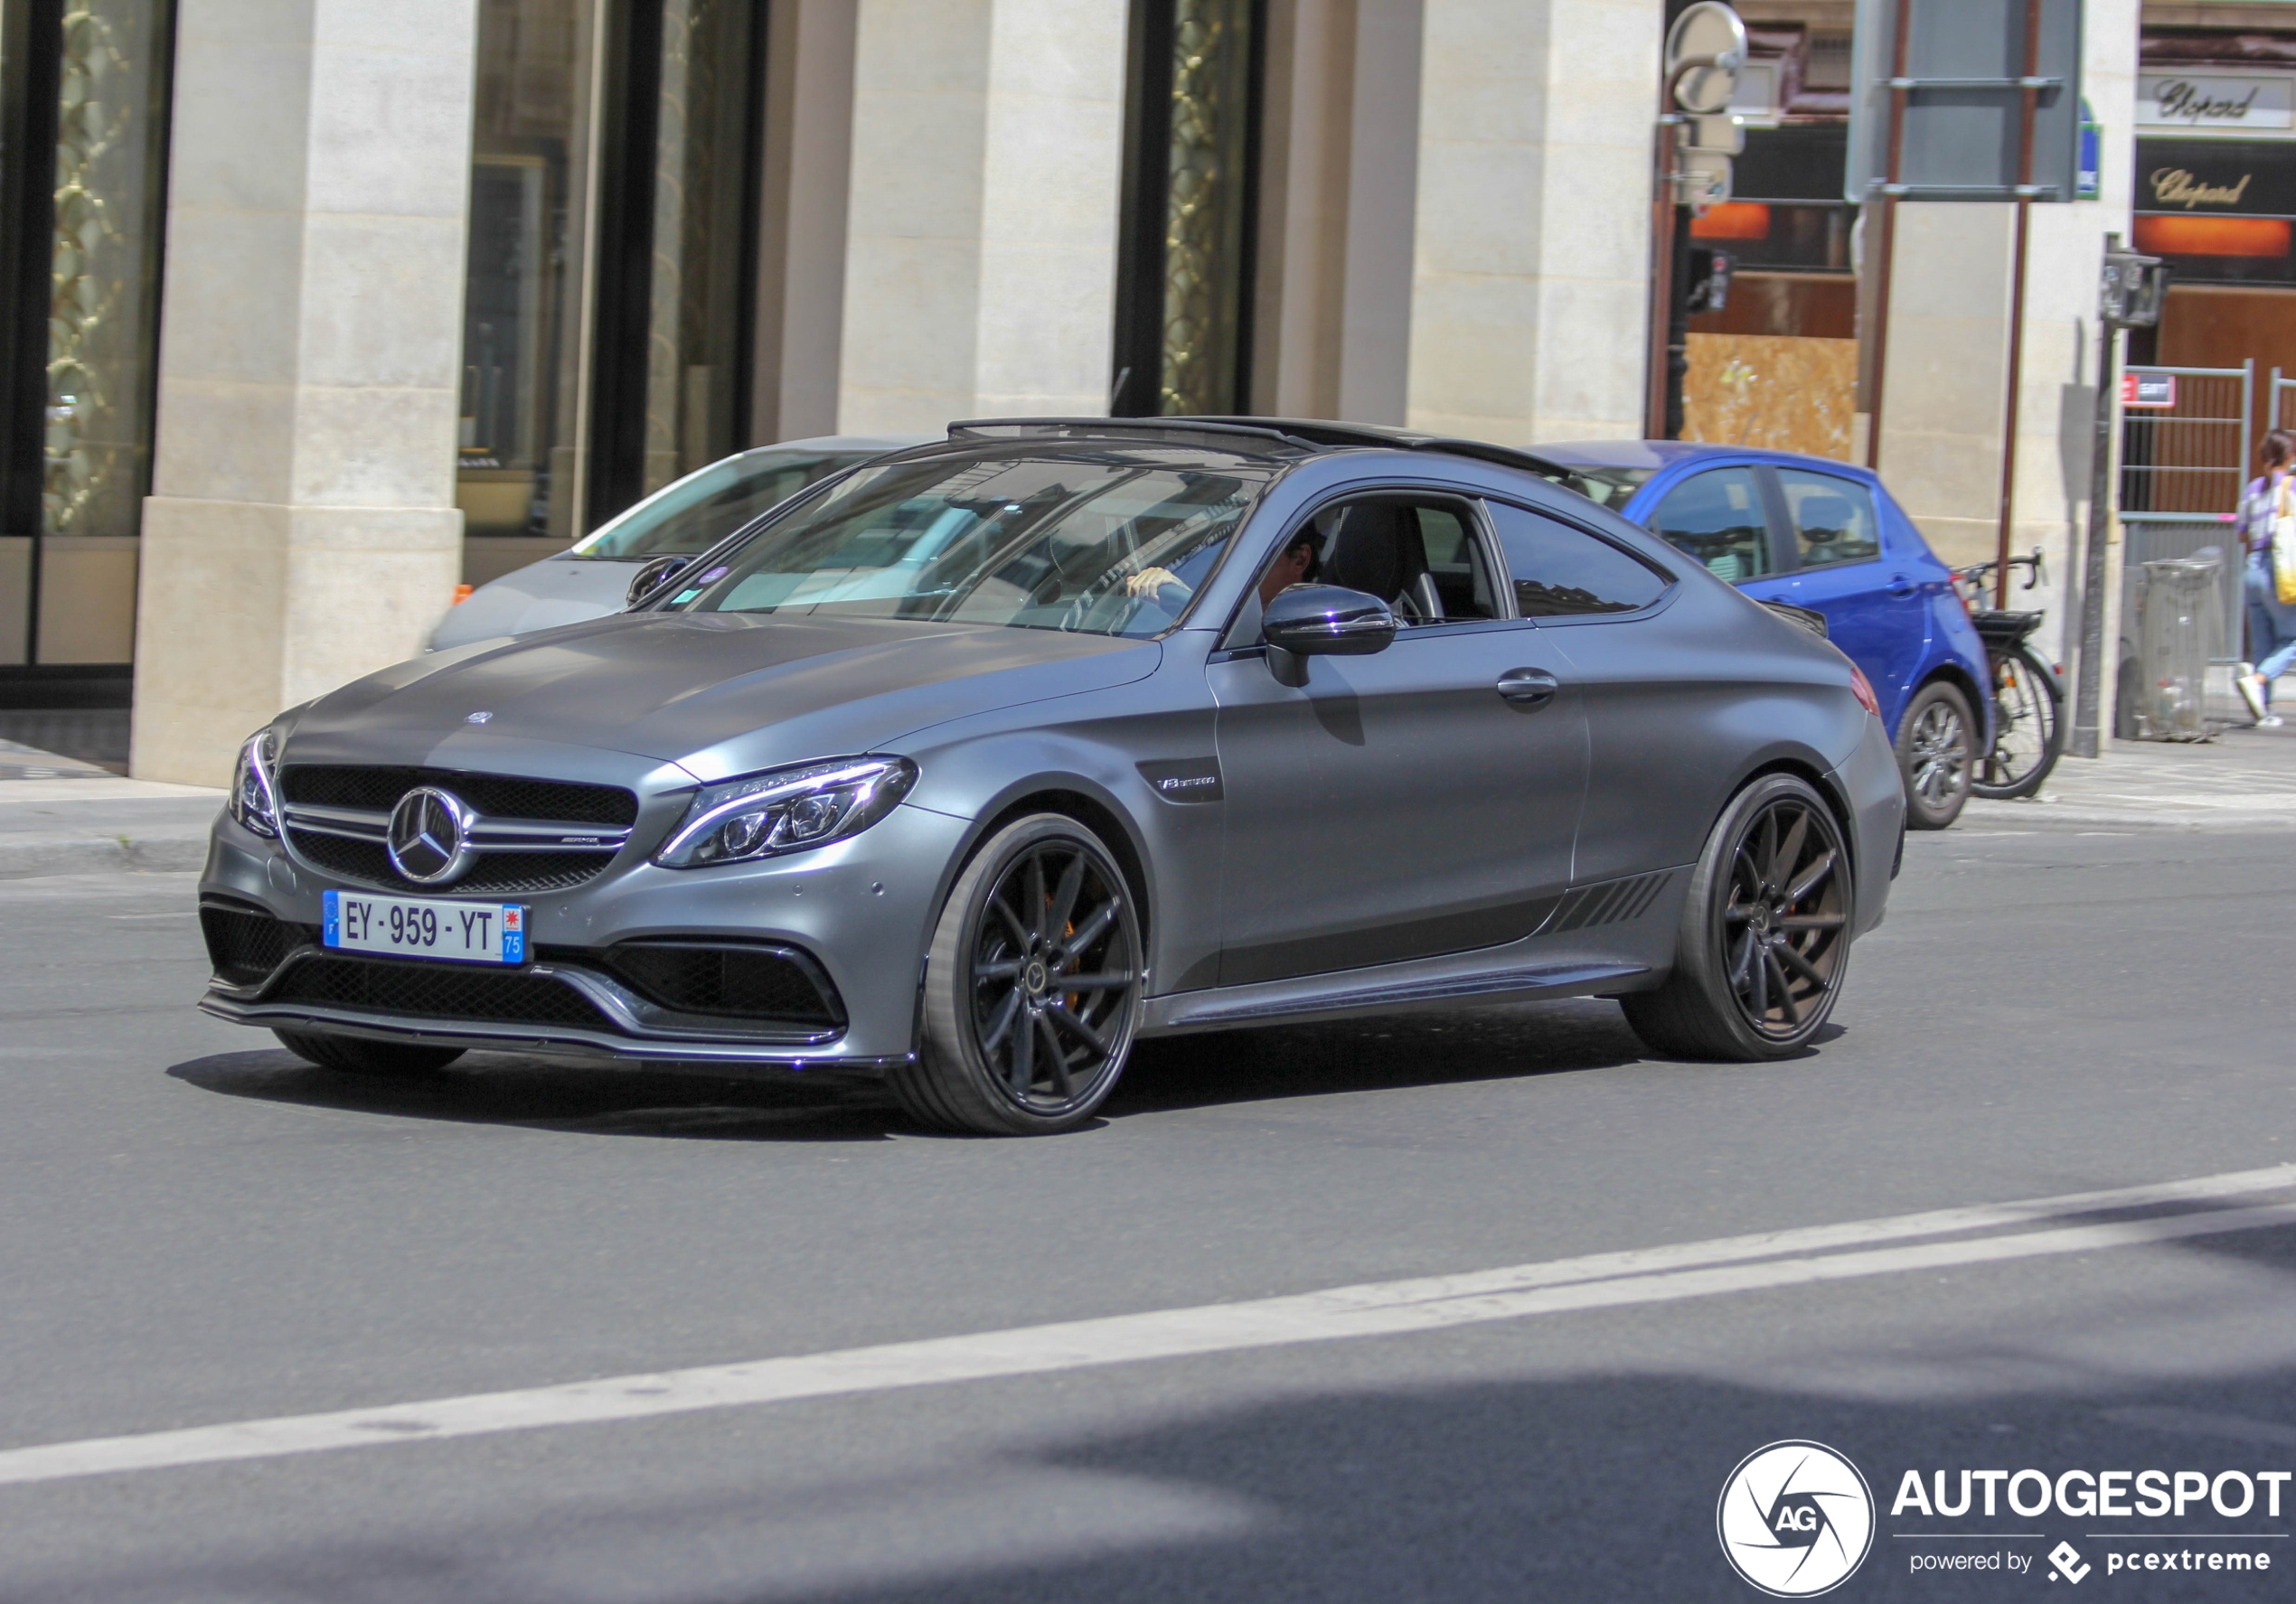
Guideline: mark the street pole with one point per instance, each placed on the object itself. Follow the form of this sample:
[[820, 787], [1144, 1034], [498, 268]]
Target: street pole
[[2026, 97], [2130, 291], [2090, 689]]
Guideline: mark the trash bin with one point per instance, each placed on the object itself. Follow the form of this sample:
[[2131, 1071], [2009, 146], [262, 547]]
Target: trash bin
[[2180, 627]]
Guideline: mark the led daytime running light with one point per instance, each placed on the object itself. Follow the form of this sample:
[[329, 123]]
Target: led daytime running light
[[787, 810], [255, 801]]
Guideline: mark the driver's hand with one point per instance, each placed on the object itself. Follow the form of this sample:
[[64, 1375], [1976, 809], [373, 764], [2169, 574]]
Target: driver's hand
[[1149, 581]]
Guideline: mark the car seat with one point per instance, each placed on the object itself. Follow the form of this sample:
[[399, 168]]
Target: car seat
[[1377, 550]]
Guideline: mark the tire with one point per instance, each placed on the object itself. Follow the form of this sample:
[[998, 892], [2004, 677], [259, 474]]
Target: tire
[[2028, 728], [357, 1056], [1005, 1048], [1936, 752], [1756, 965]]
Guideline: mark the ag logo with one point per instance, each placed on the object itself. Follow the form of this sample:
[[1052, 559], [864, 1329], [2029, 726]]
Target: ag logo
[[1796, 1519]]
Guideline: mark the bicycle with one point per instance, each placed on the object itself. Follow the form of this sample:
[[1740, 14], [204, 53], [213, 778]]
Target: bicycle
[[2028, 727]]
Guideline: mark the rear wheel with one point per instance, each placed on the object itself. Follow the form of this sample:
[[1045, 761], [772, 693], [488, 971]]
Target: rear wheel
[[1764, 936], [360, 1057], [1936, 754], [2028, 727], [1033, 986]]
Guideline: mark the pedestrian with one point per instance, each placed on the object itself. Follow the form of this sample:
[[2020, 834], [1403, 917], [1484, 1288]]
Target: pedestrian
[[2268, 506]]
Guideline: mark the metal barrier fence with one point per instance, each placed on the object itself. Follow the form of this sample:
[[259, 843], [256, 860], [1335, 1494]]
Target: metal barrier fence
[[2182, 469], [2191, 455]]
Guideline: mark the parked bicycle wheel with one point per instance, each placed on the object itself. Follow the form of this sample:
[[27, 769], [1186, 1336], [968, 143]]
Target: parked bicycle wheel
[[2028, 728]]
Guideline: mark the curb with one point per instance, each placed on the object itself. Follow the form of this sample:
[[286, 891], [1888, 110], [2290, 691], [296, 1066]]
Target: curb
[[24, 858]]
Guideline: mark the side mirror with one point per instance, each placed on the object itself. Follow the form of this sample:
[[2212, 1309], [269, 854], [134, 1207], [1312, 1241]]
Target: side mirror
[[653, 577], [1327, 621]]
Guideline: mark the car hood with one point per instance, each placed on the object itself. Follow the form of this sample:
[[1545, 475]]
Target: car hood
[[719, 693], [540, 596]]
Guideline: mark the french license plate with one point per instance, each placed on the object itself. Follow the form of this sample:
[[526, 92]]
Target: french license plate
[[421, 927]]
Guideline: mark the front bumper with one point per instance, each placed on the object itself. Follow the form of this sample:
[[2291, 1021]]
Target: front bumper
[[858, 909]]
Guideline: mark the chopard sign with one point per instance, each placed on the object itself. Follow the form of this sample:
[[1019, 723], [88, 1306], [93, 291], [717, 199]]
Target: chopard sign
[[2175, 186], [2182, 100], [2216, 102]]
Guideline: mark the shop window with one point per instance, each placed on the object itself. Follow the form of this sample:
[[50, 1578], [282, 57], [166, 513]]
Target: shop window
[[87, 86], [606, 337], [1184, 256]]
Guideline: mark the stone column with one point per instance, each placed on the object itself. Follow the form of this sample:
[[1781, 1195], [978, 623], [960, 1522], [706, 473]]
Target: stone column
[[980, 258], [1530, 285], [302, 529]]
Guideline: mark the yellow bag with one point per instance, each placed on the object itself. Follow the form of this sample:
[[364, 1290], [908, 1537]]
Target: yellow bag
[[2284, 546]]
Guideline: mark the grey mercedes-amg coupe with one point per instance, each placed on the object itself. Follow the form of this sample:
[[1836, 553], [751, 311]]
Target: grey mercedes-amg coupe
[[977, 764]]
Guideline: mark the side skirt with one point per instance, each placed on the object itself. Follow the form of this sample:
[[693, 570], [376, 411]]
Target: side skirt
[[1323, 997]]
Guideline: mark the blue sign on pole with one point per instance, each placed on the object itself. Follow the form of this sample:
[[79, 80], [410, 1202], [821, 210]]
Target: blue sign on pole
[[2088, 182]]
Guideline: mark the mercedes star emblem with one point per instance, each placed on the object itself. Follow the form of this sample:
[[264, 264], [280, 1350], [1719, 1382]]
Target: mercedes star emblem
[[429, 839]]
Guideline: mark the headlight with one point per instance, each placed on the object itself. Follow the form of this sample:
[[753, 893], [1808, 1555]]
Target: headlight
[[787, 811], [255, 803]]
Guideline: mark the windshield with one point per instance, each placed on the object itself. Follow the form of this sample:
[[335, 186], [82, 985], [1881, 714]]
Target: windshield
[[1607, 487], [1105, 542], [703, 508]]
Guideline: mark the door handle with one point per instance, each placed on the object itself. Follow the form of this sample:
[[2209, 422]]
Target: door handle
[[1901, 586], [1528, 688]]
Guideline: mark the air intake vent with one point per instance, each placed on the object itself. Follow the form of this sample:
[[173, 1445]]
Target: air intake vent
[[435, 991]]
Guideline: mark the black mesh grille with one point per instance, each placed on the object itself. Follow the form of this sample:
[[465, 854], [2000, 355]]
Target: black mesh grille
[[493, 873], [740, 983], [435, 991], [244, 945], [497, 796]]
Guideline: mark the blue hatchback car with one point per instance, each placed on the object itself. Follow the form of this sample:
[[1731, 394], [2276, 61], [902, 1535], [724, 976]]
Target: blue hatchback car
[[1823, 535]]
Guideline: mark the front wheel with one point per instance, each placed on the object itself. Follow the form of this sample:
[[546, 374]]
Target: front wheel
[[1764, 936], [1033, 986], [1936, 752], [2029, 732]]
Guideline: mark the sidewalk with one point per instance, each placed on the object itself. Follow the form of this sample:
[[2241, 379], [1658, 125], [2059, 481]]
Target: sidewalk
[[60, 817], [2245, 779]]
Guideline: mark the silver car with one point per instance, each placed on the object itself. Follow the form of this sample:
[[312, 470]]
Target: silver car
[[975, 765], [592, 577]]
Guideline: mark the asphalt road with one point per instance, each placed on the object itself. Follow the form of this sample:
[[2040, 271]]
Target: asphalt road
[[198, 1229]]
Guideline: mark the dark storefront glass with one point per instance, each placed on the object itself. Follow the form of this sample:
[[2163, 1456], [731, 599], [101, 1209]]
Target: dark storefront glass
[[2218, 210], [86, 87], [605, 341], [1184, 262], [1788, 214], [520, 458], [703, 140]]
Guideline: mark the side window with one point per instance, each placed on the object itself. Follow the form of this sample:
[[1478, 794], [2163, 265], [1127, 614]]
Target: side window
[[1833, 519], [1559, 572], [1717, 518], [1422, 559]]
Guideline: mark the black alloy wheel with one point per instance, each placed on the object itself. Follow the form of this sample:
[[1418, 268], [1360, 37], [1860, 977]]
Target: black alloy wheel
[[2029, 732], [1033, 986], [1936, 754], [1765, 937]]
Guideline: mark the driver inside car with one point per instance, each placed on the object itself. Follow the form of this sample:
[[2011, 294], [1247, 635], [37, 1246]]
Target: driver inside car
[[1298, 563]]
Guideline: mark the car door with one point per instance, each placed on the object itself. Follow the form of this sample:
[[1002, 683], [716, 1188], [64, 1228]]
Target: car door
[[1419, 800], [1870, 596], [1661, 745]]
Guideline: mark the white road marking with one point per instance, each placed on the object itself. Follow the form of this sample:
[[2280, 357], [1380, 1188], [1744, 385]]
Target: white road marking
[[1602, 1280]]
